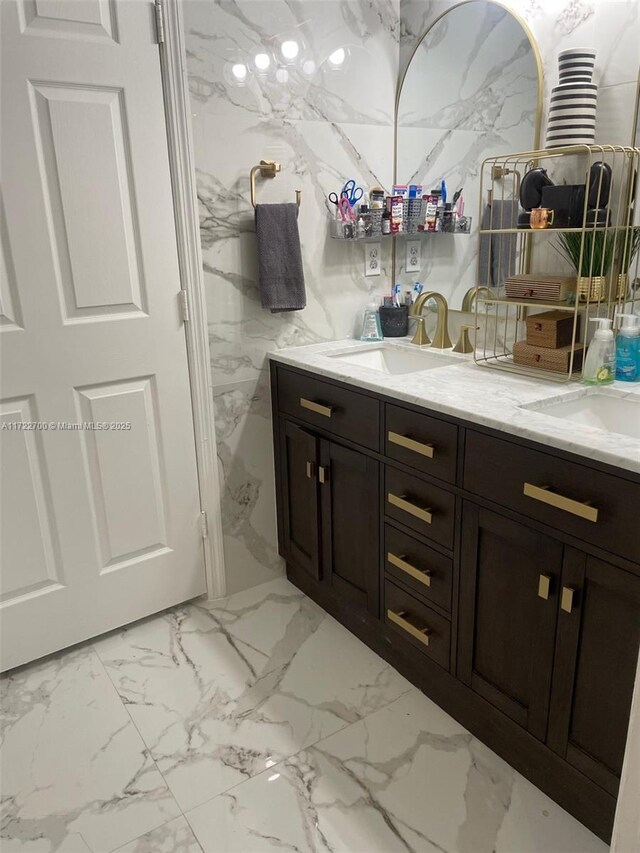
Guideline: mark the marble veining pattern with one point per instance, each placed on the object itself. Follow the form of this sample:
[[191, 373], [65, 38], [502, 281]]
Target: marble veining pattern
[[275, 729], [324, 127], [483, 396]]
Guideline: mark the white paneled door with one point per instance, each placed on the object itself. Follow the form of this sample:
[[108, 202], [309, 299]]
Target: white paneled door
[[99, 504]]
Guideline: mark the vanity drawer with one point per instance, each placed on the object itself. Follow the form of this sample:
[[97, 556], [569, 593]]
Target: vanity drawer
[[591, 505], [418, 624], [338, 410], [419, 567], [421, 506], [425, 443]]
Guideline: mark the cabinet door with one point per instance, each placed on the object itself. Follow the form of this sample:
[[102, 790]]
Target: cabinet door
[[508, 606], [299, 486], [596, 655], [350, 505]]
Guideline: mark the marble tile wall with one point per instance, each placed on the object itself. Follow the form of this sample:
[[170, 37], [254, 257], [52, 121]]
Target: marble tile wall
[[322, 127]]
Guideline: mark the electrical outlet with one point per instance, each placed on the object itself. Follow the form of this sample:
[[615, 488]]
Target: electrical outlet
[[372, 259], [412, 260]]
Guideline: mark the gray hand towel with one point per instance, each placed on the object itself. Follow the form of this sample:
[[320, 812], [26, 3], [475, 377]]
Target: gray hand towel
[[497, 252], [279, 258]]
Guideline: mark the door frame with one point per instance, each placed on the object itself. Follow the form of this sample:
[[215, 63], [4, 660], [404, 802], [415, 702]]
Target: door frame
[[185, 202]]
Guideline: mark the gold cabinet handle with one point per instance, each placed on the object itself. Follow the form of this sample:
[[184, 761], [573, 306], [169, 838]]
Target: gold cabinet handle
[[318, 408], [421, 634], [311, 470], [544, 586], [542, 494], [422, 575], [323, 474], [403, 504], [566, 601], [411, 444]]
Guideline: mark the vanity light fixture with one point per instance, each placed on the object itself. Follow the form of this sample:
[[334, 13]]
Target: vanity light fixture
[[289, 50], [238, 73], [262, 61], [308, 67], [337, 58]]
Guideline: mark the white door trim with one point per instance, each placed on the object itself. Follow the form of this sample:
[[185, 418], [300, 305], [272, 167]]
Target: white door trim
[[185, 202]]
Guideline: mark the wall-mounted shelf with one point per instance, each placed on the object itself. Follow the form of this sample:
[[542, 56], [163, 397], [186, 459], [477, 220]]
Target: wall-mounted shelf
[[336, 226]]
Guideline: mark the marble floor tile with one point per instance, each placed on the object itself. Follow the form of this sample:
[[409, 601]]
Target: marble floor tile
[[76, 776], [406, 778], [173, 837], [214, 713]]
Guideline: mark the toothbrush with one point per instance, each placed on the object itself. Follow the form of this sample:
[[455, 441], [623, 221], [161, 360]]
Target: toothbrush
[[443, 192]]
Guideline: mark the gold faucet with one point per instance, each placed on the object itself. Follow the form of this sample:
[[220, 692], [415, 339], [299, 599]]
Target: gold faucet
[[470, 296], [441, 339]]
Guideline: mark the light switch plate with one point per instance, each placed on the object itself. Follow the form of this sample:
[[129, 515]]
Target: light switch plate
[[372, 259], [412, 260]]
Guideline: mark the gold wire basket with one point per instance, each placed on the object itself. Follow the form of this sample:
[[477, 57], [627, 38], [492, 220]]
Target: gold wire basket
[[604, 281]]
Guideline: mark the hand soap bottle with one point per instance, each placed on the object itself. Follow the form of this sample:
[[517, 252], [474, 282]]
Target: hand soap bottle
[[628, 349], [600, 363], [371, 327]]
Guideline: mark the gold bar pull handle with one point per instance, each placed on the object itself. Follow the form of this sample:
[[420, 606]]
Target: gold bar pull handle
[[411, 444], [311, 470], [422, 575], [566, 601], [318, 408], [421, 634], [402, 503], [544, 586], [545, 496], [323, 474]]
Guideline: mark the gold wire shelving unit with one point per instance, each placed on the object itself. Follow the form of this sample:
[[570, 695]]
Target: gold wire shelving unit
[[610, 280]]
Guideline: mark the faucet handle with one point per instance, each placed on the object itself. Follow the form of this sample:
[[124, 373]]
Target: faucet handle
[[421, 338], [464, 344]]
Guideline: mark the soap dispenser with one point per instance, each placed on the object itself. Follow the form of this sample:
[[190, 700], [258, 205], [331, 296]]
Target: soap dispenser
[[600, 363], [371, 326], [628, 349]]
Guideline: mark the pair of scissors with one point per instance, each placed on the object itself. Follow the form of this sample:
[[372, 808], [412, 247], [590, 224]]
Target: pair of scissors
[[352, 192], [333, 198], [344, 208]]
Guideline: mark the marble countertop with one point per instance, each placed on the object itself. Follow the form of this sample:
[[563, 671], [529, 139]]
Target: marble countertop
[[493, 398]]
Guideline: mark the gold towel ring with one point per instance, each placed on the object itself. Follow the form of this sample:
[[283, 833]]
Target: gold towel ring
[[268, 169]]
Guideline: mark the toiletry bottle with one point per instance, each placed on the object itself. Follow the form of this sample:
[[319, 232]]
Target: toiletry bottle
[[600, 363], [386, 222], [360, 224], [371, 328], [628, 349]]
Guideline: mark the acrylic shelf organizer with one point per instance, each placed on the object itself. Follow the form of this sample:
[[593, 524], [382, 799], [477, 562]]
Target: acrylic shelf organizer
[[337, 232], [606, 273]]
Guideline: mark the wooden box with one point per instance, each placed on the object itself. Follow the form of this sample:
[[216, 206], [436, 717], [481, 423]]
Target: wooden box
[[547, 358], [552, 329], [546, 288]]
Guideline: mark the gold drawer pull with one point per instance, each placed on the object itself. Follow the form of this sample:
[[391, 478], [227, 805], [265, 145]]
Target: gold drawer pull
[[318, 408], [407, 506], [421, 634], [566, 601], [411, 444], [311, 470], [542, 494], [544, 586], [422, 575]]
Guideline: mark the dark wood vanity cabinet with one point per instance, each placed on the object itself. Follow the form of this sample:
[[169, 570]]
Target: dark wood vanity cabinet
[[501, 578], [509, 580]]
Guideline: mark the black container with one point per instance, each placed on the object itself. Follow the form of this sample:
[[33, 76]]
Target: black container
[[567, 203], [394, 320]]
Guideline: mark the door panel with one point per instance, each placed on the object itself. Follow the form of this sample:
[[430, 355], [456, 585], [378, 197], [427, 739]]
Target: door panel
[[299, 455], [507, 630], [351, 524], [597, 649], [91, 332]]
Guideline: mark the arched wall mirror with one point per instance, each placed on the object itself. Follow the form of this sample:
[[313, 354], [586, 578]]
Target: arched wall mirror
[[472, 89]]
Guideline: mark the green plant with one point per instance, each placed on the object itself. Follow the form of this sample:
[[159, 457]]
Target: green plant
[[630, 246], [597, 254]]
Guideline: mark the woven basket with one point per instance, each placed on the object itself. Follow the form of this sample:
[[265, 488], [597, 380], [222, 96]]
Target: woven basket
[[592, 288]]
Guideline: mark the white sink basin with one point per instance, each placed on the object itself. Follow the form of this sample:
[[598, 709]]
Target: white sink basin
[[391, 360], [607, 409]]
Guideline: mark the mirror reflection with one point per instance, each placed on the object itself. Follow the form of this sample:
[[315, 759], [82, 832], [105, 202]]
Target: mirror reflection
[[472, 90]]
